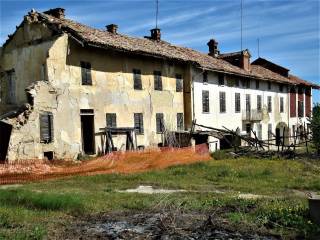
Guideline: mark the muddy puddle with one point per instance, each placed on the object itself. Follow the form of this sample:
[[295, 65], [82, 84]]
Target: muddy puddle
[[162, 226]]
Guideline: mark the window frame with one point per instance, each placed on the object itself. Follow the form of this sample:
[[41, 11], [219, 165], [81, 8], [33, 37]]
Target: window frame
[[221, 79], [86, 76], [159, 123], [237, 102], [157, 75], [179, 83], [137, 79], [222, 102], [205, 77], [140, 129], [205, 101], [46, 118], [113, 118], [259, 103], [269, 104], [180, 122], [281, 105]]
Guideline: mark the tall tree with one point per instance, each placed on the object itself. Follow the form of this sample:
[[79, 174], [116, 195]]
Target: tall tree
[[315, 126]]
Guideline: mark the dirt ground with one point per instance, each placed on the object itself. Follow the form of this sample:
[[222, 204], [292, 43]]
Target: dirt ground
[[155, 225]]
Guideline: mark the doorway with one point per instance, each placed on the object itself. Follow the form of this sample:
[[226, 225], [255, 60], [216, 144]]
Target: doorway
[[5, 130], [87, 131]]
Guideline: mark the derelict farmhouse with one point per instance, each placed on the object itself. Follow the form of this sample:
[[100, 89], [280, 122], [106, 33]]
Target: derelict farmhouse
[[68, 89]]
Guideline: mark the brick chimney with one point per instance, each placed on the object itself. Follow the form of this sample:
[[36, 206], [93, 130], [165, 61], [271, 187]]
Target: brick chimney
[[56, 12], [245, 60], [213, 48], [155, 34], [112, 28]]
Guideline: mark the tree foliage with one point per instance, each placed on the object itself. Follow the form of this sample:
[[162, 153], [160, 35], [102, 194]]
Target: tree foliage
[[315, 126]]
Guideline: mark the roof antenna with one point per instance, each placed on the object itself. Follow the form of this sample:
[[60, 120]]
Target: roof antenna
[[157, 12], [241, 21]]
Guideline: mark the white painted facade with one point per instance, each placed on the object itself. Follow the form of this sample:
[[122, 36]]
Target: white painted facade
[[232, 119]]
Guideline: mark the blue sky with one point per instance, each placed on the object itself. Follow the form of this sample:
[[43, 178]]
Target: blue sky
[[288, 29]]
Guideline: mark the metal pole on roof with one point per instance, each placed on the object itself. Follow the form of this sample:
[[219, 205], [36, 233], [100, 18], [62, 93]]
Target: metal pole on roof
[[157, 12], [241, 21]]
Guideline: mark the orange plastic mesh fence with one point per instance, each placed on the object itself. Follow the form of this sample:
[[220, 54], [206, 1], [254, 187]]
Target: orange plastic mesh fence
[[116, 162]]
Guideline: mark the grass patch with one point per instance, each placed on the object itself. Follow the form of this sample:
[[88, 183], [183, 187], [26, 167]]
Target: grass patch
[[41, 201]]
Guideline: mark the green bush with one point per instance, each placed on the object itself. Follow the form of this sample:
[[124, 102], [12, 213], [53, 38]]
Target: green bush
[[220, 155], [315, 126], [41, 201]]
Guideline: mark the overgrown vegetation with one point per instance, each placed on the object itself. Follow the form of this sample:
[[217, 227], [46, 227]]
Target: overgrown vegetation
[[315, 126], [37, 210]]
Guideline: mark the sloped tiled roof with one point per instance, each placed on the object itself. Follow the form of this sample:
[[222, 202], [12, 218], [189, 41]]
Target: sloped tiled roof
[[160, 49], [298, 81]]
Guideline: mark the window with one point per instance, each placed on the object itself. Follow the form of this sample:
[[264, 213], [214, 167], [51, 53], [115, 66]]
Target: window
[[222, 97], [237, 82], [237, 102], [138, 123], [257, 84], [180, 122], [247, 83], [221, 79], [205, 101], [248, 103], [293, 130], [270, 130], [157, 80], [160, 122], [280, 87], [46, 127], [248, 129], [111, 120], [259, 102], [205, 77], [11, 77], [269, 85], [86, 73], [259, 131], [300, 109], [269, 104], [281, 105], [137, 84], [179, 83]]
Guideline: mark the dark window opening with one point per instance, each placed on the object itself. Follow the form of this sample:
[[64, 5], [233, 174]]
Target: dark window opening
[[205, 77], [237, 103], [160, 122], [221, 79], [205, 101], [281, 87], [137, 83], [87, 131], [248, 103], [222, 96], [157, 80], [111, 120], [138, 123], [269, 104], [269, 85], [180, 122], [257, 84], [281, 105], [86, 73], [48, 155], [300, 109], [259, 102], [237, 82], [46, 127], [179, 83]]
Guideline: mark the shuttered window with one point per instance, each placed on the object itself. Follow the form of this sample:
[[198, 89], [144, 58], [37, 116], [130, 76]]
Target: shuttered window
[[259, 102], [281, 105], [138, 123], [205, 77], [137, 84], [269, 104], [180, 125], [248, 103], [222, 96], [237, 103], [46, 127], [205, 101], [86, 73], [179, 83], [157, 80], [159, 122], [111, 120]]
